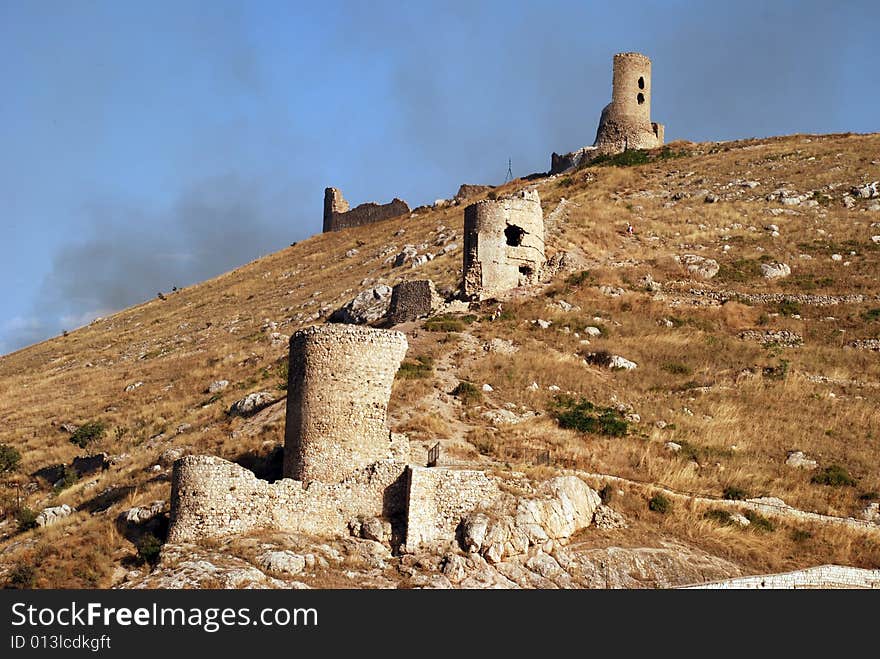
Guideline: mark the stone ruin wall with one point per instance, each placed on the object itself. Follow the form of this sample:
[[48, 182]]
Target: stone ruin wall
[[823, 576], [339, 384], [338, 215], [438, 498], [503, 244], [213, 498], [626, 122], [411, 300]]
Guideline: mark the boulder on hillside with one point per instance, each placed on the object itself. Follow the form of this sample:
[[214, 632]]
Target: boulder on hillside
[[368, 306], [53, 515], [251, 404]]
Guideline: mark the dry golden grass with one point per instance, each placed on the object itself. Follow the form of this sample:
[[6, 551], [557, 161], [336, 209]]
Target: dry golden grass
[[177, 346]]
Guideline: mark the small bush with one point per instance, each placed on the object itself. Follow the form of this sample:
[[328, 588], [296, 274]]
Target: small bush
[[734, 493], [88, 433], [148, 548], [759, 522], [835, 476], [659, 504], [448, 323], [789, 308], [718, 515], [871, 314], [585, 417], [282, 370], [578, 278], [421, 367], [599, 358], [9, 458], [467, 392], [779, 372], [739, 270], [677, 368], [606, 494], [22, 577], [629, 158], [68, 478], [26, 518], [799, 535], [868, 496]]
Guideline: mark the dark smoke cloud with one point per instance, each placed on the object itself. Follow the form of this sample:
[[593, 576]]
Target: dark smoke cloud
[[214, 226]]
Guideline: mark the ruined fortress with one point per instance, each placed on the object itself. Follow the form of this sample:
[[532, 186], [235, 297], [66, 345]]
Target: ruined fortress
[[503, 244], [341, 462], [338, 215], [625, 123]]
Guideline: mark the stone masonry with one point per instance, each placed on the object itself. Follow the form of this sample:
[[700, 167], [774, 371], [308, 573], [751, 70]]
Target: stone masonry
[[438, 498], [340, 380], [821, 576], [411, 300], [338, 215], [625, 123], [503, 244]]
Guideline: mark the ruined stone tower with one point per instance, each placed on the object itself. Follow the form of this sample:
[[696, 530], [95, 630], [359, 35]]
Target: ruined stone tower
[[340, 379], [626, 121], [503, 244]]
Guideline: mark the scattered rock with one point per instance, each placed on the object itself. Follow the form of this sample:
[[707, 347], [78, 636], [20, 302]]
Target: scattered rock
[[672, 446], [701, 266], [618, 362], [592, 331], [500, 346], [608, 518], [611, 291], [351, 253], [53, 515], [217, 386], [871, 512], [368, 306], [251, 404], [798, 460], [487, 388], [372, 528], [775, 270], [284, 562], [133, 386]]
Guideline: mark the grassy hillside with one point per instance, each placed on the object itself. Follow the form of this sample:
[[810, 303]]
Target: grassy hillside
[[704, 381]]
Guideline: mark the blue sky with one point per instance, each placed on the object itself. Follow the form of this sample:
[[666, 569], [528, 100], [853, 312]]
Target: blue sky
[[145, 145]]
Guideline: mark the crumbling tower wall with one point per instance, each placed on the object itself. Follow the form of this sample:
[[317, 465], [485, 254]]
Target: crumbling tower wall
[[338, 215], [503, 244], [340, 379], [626, 121]]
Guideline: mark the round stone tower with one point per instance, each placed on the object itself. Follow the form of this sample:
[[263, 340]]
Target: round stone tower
[[626, 121], [631, 87], [339, 383]]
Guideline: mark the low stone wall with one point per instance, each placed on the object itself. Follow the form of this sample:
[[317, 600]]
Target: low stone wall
[[438, 498], [823, 576], [337, 215], [212, 497]]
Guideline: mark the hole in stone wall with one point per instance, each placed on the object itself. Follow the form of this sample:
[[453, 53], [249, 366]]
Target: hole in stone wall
[[641, 83], [525, 270], [514, 235], [640, 98]]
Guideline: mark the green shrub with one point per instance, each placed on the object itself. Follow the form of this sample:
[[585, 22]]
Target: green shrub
[[734, 493], [22, 577], [26, 518], [659, 504], [421, 367], [148, 548], [738, 270], [88, 433], [677, 368], [799, 535], [871, 314], [789, 308], [779, 372], [448, 323], [578, 278], [868, 496], [835, 476], [585, 417], [629, 158], [9, 458], [718, 515], [759, 522], [467, 392], [68, 478]]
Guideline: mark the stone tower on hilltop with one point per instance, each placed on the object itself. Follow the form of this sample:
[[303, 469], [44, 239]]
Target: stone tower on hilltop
[[626, 121]]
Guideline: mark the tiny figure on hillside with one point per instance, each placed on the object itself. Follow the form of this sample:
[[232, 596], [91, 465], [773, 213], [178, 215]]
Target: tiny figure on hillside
[[630, 230], [497, 313]]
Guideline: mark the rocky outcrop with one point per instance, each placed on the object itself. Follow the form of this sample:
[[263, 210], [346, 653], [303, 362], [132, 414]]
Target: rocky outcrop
[[251, 404], [368, 306], [53, 515]]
